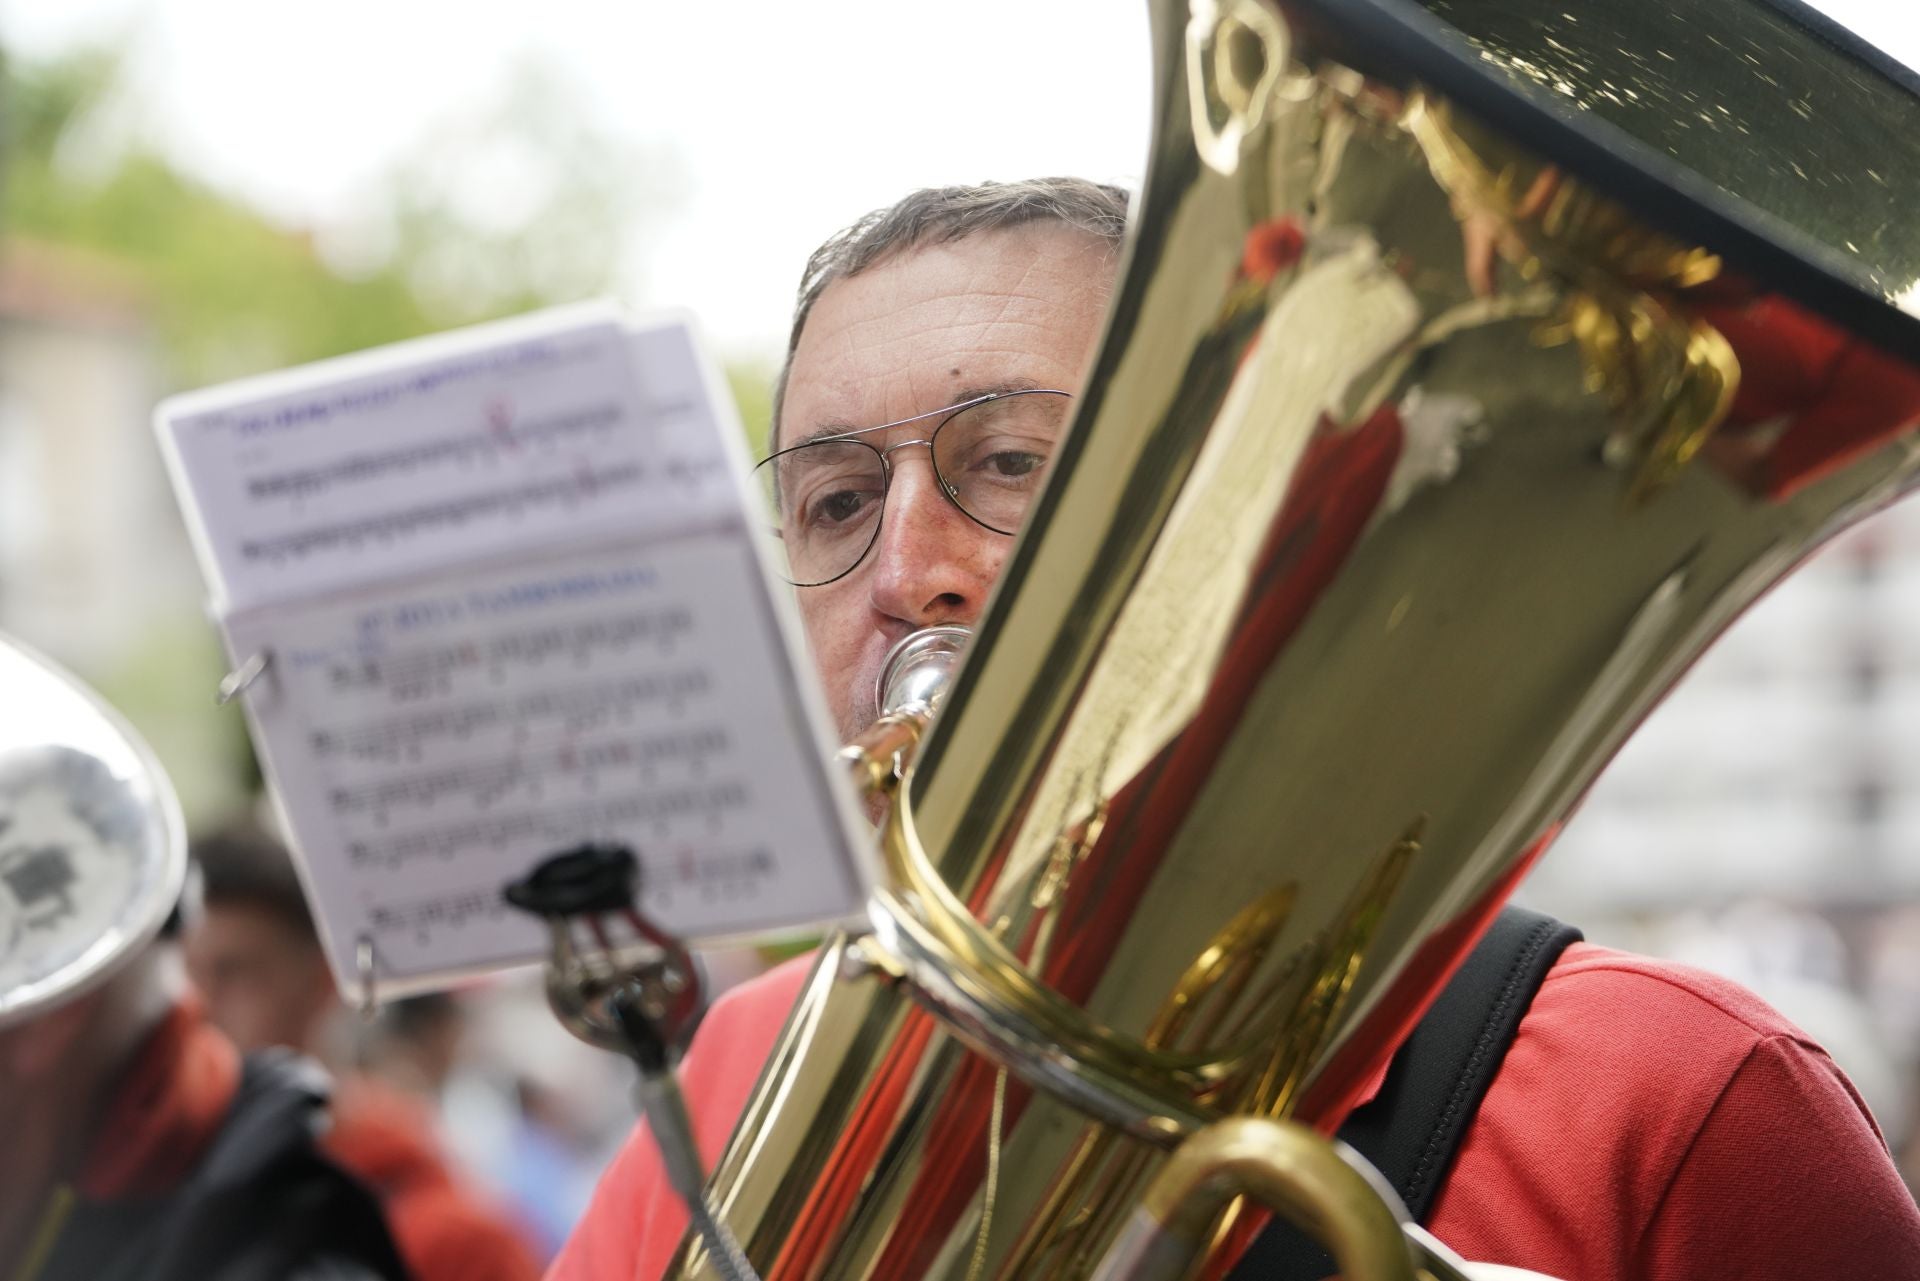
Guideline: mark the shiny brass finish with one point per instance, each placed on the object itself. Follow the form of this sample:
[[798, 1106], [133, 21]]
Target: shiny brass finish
[[873, 759], [1670, 380], [1813, 140], [1285, 1167], [1412, 471], [913, 678]]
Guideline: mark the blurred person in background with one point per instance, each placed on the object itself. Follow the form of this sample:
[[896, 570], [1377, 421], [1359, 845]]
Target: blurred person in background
[[415, 1045], [530, 1110], [257, 958], [549, 1165], [138, 1144]]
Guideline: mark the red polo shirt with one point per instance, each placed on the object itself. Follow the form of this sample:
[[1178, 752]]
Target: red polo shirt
[[1651, 1122]]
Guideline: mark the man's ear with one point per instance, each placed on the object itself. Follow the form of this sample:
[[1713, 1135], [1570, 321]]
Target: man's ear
[[40, 1046]]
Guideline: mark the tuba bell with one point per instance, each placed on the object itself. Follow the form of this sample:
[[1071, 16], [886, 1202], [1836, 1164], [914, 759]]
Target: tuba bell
[[1437, 433]]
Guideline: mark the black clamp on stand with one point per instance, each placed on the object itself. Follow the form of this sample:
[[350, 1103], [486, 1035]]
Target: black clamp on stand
[[632, 988]]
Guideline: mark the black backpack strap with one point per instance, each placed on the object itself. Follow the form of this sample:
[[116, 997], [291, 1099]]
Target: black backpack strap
[[1411, 1129]]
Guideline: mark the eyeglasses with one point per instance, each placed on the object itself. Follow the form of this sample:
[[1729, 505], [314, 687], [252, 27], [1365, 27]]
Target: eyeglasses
[[825, 498]]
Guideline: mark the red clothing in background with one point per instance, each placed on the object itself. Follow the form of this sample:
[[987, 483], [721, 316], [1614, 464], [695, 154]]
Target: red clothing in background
[[444, 1231], [202, 1165], [1651, 1121], [164, 1111]]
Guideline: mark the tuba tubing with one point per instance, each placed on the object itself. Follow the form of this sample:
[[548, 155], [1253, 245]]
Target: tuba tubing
[[1416, 464]]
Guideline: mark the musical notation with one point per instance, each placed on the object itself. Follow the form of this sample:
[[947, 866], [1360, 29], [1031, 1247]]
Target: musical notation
[[484, 782], [406, 672], [422, 916], [668, 876], [571, 709], [706, 874], [503, 439], [316, 483], [387, 526], [654, 813], [514, 603], [505, 716]]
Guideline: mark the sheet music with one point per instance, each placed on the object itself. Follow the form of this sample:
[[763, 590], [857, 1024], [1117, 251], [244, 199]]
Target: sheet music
[[427, 455], [450, 704]]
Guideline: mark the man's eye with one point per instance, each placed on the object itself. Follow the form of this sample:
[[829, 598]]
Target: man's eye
[[836, 509], [1007, 461], [1014, 463]]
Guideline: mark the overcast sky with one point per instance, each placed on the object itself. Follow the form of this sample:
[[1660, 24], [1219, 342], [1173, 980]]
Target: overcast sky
[[788, 119]]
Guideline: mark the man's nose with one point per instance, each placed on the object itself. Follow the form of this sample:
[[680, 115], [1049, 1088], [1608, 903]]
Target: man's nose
[[932, 563]]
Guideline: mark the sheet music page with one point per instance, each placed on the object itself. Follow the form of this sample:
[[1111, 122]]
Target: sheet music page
[[450, 700], [532, 432]]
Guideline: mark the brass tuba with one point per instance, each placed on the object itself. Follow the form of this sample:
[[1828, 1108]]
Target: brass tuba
[[1448, 407]]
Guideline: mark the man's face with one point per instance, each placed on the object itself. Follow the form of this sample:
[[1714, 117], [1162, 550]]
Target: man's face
[[927, 328], [264, 982]]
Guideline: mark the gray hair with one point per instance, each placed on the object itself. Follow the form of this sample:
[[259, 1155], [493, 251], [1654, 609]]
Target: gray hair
[[938, 215]]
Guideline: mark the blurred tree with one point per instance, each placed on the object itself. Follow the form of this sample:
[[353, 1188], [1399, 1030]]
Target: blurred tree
[[752, 385], [521, 204], [228, 290]]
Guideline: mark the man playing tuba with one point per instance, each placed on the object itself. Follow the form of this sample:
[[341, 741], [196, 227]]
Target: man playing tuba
[[1647, 1120]]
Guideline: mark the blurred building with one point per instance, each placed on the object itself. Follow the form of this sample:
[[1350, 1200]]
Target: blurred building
[[1765, 821], [1788, 761], [95, 568], [77, 473]]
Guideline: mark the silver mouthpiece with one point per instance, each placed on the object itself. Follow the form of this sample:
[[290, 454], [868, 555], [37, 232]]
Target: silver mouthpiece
[[918, 669]]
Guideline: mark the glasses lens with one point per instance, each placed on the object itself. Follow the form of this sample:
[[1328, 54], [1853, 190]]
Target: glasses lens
[[994, 456], [824, 502]]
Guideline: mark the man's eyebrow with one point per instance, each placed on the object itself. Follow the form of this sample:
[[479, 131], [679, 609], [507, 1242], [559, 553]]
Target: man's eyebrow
[[832, 427]]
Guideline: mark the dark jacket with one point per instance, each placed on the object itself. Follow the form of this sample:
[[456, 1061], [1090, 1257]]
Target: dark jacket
[[263, 1204]]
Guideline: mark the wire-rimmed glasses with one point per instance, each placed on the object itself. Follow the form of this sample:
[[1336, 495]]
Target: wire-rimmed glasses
[[826, 497]]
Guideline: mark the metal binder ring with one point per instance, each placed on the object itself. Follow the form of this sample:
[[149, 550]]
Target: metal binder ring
[[237, 681], [363, 962]]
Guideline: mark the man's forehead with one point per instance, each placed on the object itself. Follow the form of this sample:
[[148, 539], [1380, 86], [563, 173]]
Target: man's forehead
[[829, 427], [939, 324]]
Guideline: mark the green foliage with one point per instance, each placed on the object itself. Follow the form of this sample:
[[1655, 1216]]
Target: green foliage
[[752, 387], [161, 685], [523, 203], [229, 291], [44, 98], [519, 205]]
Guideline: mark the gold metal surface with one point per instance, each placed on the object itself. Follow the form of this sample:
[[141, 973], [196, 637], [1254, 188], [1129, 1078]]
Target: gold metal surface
[[1285, 1167], [873, 758], [1412, 471], [1738, 94]]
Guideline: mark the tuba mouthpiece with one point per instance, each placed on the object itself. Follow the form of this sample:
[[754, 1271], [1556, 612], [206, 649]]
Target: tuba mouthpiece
[[919, 668], [912, 681]]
